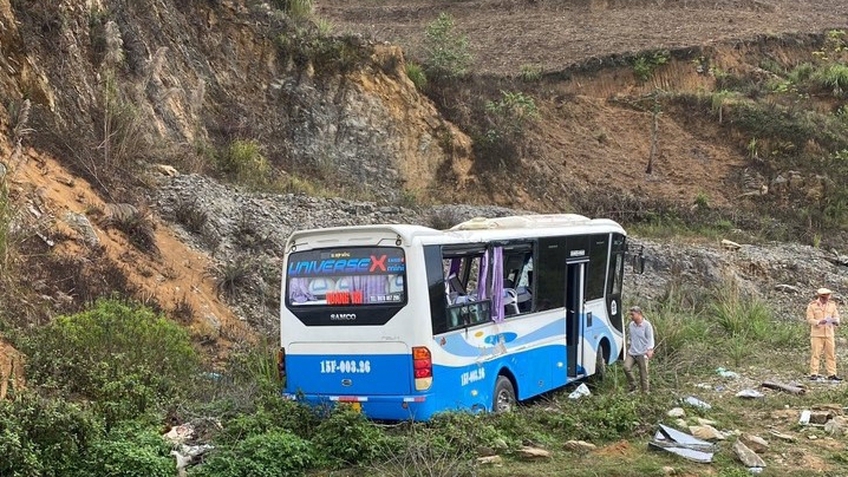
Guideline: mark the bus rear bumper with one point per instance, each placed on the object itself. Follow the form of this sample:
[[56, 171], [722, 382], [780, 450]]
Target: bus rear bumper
[[383, 407]]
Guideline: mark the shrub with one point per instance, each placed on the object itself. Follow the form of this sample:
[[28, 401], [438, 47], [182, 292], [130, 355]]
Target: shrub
[[444, 218], [272, 454], [125, 357], [46, 437], [347, 437], [448, 53], [605, 417], [131, 450], [644, 66], [508, 117]]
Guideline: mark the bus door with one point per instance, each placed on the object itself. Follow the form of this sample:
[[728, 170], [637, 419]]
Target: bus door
[[616, 270], [574, 286]]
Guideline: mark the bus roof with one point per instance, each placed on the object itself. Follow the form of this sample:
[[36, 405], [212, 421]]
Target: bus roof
[[478, 229]]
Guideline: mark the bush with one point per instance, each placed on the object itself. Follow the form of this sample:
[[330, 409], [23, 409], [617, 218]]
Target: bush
[[45, 437], [277, 453], [511, 113], [131, 451], [448, 53], [644, 66], [347, 437], [126, 358]]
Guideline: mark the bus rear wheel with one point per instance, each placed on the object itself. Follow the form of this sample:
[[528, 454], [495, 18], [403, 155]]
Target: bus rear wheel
[[504, 399]]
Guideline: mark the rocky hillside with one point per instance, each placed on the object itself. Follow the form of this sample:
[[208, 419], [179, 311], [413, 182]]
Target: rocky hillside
[[122, 122]]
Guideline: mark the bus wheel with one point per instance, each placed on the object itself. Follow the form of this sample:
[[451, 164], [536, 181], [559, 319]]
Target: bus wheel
[[600, 364], [504, 395]]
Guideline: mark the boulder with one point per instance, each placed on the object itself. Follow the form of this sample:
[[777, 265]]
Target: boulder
[[533, 453], [748, 457], [490, 460], [754, 442], [706, 432], [579, 446]]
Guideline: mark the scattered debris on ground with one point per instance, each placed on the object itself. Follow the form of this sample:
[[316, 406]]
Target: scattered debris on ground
[[581, 391], [682, 444], [695, 402], [784, 387]]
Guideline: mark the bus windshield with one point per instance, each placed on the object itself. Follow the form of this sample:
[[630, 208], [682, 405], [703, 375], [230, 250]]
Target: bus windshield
[[346, 276]]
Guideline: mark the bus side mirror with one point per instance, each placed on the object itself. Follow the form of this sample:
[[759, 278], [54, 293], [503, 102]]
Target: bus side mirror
[[637, 260]]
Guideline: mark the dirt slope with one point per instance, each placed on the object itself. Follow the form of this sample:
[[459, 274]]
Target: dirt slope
[[49, 202], [506, 34]]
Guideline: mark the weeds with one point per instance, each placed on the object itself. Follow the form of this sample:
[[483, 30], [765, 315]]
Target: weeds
[[183, 311], [5, 222], [418, 455], [233, 276], [296, 9], [245, 163], [530, 73], [833, 78], [416, 74], [137, 225]]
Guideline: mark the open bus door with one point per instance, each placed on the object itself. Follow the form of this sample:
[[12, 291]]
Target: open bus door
[[574, 286]]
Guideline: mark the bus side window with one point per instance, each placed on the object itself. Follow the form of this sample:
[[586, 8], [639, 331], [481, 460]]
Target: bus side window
[[518, 270]]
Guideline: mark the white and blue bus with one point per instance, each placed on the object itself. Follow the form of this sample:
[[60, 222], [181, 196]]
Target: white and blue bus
[[404, 321]]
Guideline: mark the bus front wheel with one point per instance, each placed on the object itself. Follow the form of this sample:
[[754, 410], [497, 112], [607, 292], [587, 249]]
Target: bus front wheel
[[504, 395]]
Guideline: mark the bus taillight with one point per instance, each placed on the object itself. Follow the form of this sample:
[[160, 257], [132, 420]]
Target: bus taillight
[[281, 364], [422, 366]]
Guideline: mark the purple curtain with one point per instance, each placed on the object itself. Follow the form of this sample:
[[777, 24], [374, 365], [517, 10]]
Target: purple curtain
[[454, 266], [299, 290], [371, 286], [483, 277], [497, 285]]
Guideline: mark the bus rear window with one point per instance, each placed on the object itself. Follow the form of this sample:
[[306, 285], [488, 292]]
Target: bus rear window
[[346, 277]]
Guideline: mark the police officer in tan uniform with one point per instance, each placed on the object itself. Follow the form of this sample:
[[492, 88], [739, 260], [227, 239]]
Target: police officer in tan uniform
[[823, 318]]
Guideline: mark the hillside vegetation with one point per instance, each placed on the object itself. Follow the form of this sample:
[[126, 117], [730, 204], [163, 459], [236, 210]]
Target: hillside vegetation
[[143, 298]]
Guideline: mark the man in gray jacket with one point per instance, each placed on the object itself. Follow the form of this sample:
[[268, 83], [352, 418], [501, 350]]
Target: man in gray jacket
[[640, 351]]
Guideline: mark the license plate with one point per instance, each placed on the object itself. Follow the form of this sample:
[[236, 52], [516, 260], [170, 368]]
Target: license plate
[[356, 406]]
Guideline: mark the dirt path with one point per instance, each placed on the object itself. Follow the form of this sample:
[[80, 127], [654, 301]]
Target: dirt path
[[507, 34]]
